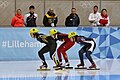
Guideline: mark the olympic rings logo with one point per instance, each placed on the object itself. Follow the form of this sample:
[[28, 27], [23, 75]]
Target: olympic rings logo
[[87, 4], [3, 4]]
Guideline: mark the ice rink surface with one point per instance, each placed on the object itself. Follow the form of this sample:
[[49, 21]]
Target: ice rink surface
[[27, 70]]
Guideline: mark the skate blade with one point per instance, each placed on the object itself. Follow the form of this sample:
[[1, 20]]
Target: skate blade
[[68, 67], [54, 66], [93, 69], [81, 68], [59, 68], [43, 69]]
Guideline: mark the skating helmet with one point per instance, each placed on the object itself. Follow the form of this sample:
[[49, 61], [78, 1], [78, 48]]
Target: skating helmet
[[72, 34], [34, 30], [53, 31]]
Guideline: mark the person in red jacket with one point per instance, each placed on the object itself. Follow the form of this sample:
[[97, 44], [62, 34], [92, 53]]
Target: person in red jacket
[[18, 20], [104, 18], [66, 45]]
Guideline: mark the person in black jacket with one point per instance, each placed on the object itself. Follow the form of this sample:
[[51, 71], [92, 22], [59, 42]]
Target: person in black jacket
[[31, 17], [50, 19], [73, 19], [50, 46]]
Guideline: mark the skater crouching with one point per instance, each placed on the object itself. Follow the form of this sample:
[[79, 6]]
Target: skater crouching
[[50, 46], [88, 48], [63, 48], [66, 45]]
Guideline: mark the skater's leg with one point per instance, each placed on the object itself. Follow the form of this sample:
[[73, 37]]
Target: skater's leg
[[81, 52], [66, 47], [52, 50], [88, 55], [59, 52], [64, 55], [41, 52]]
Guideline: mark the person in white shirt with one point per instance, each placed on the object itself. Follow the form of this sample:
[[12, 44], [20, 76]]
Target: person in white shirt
[[94, 17], [31, 18]]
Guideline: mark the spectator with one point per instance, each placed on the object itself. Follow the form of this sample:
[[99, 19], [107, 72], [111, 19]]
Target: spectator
[[50, 19], [17, 20], [104, 18], [31, 17], [94, 17], [73, 19]]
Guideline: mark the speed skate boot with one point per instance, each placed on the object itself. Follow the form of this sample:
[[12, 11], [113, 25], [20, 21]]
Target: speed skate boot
[[67, 64], [44, 66], [59, 64], [93, 66], [80, 65]]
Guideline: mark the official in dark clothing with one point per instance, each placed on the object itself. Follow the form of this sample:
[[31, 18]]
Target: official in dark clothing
[[50, 19], [73, 19], [50, 46]]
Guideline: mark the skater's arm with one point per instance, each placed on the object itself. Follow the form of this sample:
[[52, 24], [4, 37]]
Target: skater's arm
[[42, 38], [62, 36], [83, 40]]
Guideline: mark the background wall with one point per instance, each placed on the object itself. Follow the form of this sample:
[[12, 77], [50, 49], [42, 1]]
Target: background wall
[[61, 7], [16, 43]]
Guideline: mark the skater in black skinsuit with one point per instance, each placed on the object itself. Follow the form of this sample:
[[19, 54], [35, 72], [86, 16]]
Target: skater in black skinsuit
[[50, 46], [88, 48]]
